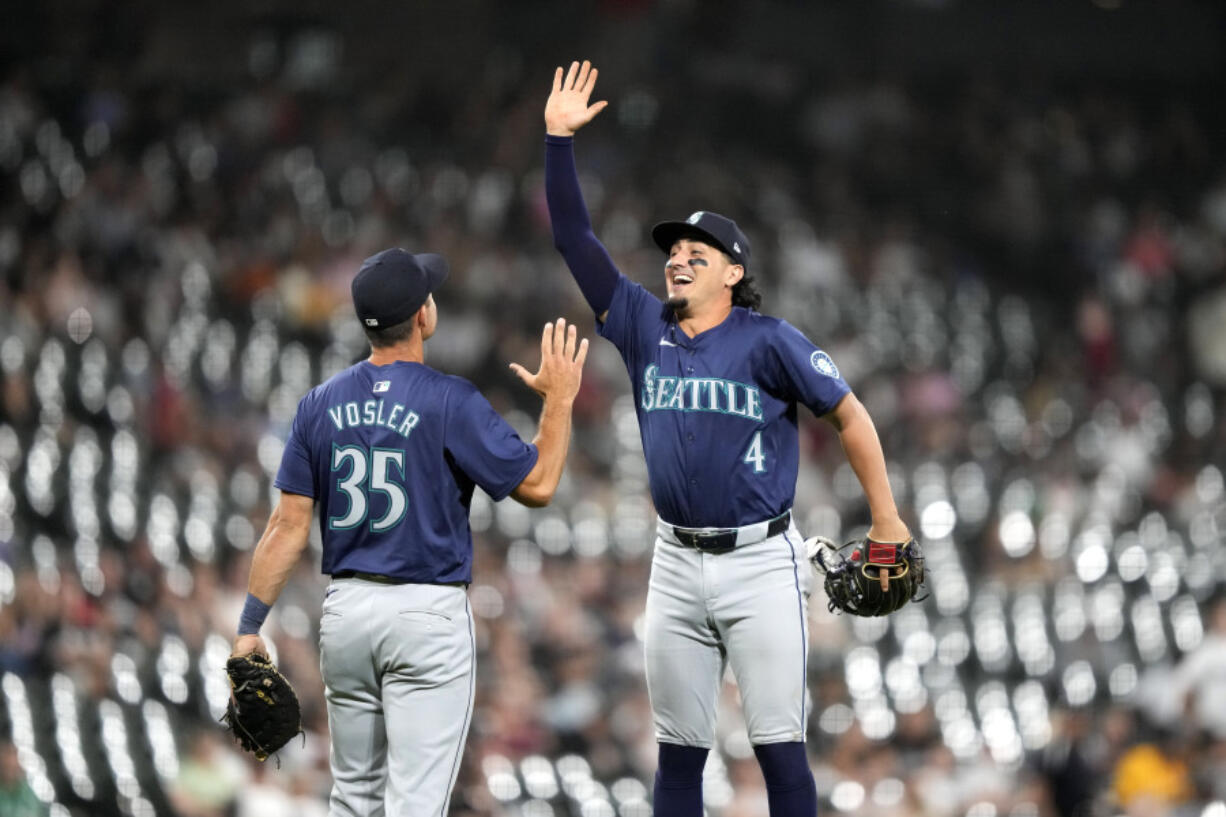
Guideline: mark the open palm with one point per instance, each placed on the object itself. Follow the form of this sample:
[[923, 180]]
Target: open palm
[[562, 356], [567, 108]]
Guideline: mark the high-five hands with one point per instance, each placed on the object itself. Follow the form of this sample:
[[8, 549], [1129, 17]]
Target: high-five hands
[[567, 109], [562, 358]]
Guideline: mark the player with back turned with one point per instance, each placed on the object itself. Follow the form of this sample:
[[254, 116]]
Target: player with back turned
[[391, 450], [717, 387]]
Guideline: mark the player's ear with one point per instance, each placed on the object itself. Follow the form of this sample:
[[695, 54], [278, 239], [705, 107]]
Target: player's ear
[[734, 275]]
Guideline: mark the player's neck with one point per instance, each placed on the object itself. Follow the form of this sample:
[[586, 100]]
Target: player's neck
[[410, 351], [695, 322]]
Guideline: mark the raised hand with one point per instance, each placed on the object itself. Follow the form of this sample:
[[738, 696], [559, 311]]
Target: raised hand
[[567, 109], [562, 358]]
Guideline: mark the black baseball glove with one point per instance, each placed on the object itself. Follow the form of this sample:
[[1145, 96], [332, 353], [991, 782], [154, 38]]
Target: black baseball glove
[[868, 578], [263, 713]]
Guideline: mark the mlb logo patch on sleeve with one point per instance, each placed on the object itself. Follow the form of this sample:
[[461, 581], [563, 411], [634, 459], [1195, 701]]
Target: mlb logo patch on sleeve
[[382, 386]]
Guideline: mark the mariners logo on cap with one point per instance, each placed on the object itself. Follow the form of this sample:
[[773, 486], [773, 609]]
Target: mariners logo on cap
[[822, 362], [695, 218]]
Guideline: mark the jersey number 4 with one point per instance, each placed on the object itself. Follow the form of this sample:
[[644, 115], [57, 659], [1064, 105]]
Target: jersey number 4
[[754, 455], [367, 471]]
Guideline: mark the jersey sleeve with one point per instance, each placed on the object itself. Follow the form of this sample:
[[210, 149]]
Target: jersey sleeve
[[485, 447], [296, 474], [799, 370], [587, 258], [634, 312]]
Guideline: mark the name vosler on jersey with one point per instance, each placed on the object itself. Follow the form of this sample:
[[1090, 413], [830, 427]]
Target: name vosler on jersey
[[373, 413], [661, 393]]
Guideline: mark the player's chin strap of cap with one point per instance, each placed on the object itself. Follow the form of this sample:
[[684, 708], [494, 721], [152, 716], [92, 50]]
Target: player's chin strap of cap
[[720, 540]]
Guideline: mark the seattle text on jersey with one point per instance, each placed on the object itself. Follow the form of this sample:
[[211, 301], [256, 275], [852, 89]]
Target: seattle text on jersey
[[700, 394]]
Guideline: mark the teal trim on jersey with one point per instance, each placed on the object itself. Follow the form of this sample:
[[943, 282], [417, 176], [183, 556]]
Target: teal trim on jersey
[[713, 395], [385, 523], [349, 486]]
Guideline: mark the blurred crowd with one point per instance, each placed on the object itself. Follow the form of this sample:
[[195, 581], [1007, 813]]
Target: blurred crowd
[[1024, 281]]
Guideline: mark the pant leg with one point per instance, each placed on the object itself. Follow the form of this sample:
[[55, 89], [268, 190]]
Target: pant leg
[[355, 710], [762, 613], [684, 658], [427, 653]]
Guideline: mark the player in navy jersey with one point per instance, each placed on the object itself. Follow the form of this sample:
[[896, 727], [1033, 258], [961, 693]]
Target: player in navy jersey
[[717, 387], [391, 450]]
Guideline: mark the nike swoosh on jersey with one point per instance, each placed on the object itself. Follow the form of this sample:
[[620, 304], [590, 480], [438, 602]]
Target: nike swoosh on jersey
[[666, 342]]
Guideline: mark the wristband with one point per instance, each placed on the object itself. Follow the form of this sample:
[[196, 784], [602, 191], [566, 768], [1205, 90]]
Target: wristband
[[254, 613]]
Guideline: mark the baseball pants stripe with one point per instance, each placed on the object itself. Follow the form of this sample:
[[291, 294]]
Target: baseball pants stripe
[[468, 714], [804, 628]]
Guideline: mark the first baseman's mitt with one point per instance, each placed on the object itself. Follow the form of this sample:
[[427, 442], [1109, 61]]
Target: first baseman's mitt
[[263, 712], [868, 578]]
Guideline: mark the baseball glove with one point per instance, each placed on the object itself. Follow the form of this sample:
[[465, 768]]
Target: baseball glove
[[868, 578], [263, 712]]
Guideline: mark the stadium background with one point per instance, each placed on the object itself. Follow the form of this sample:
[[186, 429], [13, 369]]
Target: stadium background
[[1006, 221]]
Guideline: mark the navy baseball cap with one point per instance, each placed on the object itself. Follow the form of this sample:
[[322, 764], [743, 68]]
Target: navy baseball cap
[[392, 285], [712, 228]]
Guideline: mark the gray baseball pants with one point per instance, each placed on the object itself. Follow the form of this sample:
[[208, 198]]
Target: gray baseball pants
[[398, 665], [748, 608]]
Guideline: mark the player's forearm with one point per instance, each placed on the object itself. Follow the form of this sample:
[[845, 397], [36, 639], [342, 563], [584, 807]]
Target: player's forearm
[[276, 554], [552, 443], [567, 209], [862, 446], [587, 258]]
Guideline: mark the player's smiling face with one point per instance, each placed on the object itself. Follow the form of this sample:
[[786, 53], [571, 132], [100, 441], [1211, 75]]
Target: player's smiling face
[[698, 274]]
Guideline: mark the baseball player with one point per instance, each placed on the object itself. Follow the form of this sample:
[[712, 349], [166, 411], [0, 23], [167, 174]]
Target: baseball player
[[391, 450], [718, 386]]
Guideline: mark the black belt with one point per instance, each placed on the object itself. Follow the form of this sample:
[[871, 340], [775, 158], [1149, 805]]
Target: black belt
[[370, 577], [721, 540], [382, 579]]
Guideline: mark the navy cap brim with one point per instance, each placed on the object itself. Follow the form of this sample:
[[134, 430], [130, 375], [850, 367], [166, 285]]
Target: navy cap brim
[[666, 233], [435, 266]]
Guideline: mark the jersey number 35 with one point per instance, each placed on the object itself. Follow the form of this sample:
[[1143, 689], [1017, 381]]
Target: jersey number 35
[[367, 471]]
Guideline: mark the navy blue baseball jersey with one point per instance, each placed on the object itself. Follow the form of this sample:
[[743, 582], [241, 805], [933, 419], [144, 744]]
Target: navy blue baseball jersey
[[717, 412], [391, 454]]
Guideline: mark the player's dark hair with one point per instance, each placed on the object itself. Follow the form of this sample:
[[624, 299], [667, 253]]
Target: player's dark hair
[[745, 294], [389, 335]]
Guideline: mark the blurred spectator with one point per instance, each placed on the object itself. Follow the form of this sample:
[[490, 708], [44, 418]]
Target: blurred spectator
[[1152, 780], [1070, 773], [263, 797], [209, 779], [17, 799], [1199, 680]]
